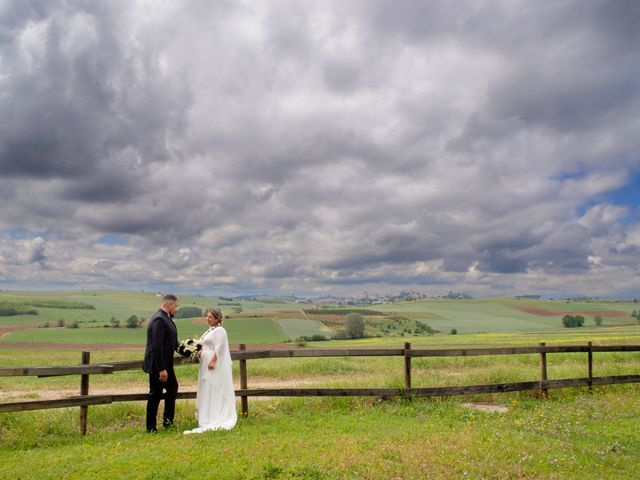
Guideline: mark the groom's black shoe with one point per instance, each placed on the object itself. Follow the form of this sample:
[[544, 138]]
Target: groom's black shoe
[[152, 430], [167, 424]]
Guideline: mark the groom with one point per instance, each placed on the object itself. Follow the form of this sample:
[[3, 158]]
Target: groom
[[162, 341]]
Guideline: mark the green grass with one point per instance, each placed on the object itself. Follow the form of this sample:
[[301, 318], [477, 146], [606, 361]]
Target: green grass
[[573, 434], [585, 436]]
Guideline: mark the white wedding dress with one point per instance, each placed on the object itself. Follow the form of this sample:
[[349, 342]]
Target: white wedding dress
[[216, 401]]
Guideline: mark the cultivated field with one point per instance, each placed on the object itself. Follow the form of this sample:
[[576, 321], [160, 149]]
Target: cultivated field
[[272, 321]]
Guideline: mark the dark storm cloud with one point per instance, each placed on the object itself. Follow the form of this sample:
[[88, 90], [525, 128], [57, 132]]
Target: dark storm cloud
[[111, 185], [79, 100], [286, 145]]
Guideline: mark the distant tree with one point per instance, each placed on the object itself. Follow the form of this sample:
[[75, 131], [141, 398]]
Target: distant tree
[[188, 312], [634, 313], [115, 323], [597, 319], [15, 308], [354, 325], [571, 321], [454, 331], [75, 324], [133, 322], [61, 322]]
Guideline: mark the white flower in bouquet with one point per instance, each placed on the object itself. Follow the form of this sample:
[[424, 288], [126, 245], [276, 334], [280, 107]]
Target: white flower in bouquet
[[188, 347]]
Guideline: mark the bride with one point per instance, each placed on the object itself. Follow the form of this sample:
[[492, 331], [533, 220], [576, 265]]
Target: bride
[[215, 401]]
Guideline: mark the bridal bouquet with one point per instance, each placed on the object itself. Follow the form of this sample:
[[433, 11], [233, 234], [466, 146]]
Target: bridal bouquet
[[188, 347]]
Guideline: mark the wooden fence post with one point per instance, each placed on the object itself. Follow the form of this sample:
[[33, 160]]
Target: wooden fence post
[[84, 390], [407, 368], [243, 382], [590, 360], [543, 371]]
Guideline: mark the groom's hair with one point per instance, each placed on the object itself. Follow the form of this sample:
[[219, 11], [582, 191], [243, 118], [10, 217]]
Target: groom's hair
[[169, 297]]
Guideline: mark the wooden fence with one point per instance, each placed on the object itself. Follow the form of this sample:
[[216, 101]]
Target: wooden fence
[[84, 400]]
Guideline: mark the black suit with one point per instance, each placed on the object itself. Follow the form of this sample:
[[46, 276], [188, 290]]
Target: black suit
[[162, 341]]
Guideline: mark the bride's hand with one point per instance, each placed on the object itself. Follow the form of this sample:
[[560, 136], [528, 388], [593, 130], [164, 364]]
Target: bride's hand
[[211, 365]]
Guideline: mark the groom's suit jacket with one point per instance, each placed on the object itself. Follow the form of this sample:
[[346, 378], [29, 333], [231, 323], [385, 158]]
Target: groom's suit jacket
[[162, 341]]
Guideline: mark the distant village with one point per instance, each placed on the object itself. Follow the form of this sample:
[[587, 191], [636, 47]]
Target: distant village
[[367, 298]]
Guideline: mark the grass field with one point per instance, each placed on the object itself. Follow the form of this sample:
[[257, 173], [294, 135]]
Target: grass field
[[298, 327], [573, 434], [505, 315], [239, 330], [586, 436]]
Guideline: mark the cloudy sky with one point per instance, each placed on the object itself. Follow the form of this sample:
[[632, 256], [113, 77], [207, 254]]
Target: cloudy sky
[[331, 146]]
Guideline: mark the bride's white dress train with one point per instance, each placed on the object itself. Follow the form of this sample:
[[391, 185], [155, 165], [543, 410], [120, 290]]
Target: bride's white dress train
[[215, 401]]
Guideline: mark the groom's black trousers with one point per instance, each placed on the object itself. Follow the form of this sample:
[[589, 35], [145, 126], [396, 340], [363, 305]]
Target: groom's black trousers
[[155, 395]]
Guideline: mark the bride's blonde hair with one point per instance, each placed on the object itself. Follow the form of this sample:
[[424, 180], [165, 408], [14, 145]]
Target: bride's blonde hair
[[217, 314]]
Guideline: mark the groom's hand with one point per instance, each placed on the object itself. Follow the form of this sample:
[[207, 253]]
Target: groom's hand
[[164, 376]]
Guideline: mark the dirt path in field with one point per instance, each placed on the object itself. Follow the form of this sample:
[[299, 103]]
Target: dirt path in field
[[7, 396], [7, 329], [484, 407]]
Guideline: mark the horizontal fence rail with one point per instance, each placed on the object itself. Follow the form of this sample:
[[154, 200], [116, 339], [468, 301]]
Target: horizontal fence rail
[[84, 400], [317, 352], [330, 392]]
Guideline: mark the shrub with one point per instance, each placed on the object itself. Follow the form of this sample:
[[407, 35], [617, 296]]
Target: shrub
[[355, 325], [61, 323], [423, 328], [188, 312], [61, 304], [75, 324], [573, 321], [14, 308], [454, 331], [312, 338], [597, 319], [133, 322], [115, 323]]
